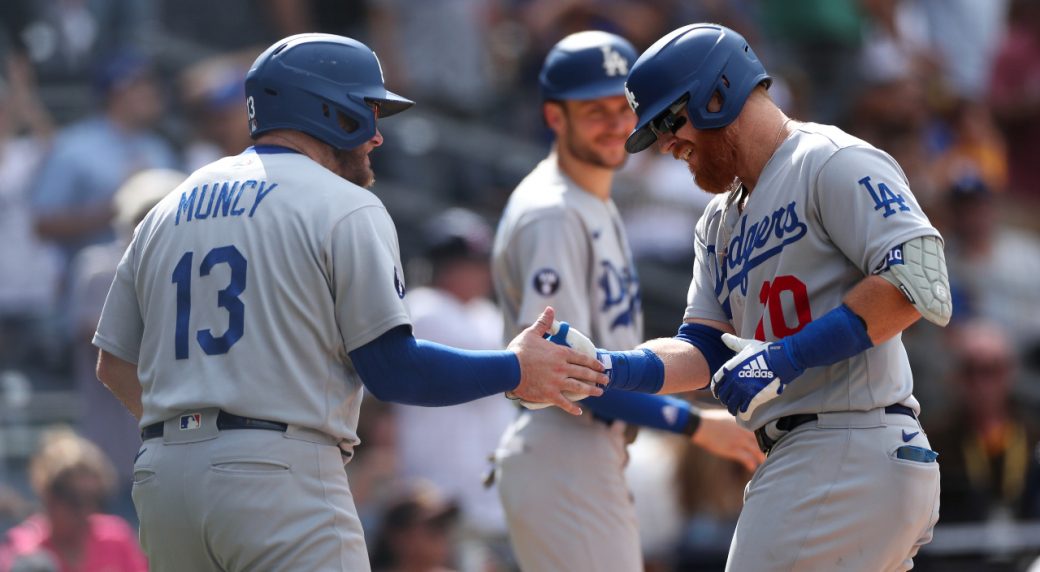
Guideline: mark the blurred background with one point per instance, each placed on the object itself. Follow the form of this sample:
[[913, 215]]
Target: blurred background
[[106, 104]]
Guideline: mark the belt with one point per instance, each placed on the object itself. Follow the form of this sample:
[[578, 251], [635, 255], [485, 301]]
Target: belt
[[225, 420], [785, 424]]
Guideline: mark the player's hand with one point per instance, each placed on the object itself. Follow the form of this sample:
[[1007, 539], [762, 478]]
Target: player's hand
[[720, 435], [757, 374], [563, 334], [547, 370]]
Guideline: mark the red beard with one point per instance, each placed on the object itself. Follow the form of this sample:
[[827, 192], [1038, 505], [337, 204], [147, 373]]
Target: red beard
[[717, 160]]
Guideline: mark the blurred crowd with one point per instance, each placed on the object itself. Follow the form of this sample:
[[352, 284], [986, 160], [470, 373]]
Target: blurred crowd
[[105, 105]]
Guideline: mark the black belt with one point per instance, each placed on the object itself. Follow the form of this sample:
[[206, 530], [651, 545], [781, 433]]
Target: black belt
[[789, 422], [225, 420]]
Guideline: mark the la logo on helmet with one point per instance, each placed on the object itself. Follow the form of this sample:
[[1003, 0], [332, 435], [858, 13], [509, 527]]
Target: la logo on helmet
[[631, 97], [613, 63]]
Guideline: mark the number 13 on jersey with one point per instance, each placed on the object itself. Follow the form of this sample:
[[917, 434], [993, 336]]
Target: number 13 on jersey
[[228, 298]]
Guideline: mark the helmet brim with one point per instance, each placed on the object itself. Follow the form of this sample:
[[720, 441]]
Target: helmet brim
[[640, 139], [391, 103]]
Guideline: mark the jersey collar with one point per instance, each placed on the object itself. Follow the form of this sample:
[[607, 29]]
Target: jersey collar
[[270, 150]]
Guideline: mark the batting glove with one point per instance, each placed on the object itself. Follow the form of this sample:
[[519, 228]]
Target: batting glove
[[757, 374], [564, 335]]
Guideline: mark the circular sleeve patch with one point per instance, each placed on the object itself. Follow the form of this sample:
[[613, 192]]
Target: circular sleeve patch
[[546, 282]]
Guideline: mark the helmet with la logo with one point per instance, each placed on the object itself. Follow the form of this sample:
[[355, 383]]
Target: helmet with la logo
[[321, 84], [586, 65], [696, 62]]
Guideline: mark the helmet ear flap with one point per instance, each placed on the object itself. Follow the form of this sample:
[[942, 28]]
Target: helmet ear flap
[[347, 123]]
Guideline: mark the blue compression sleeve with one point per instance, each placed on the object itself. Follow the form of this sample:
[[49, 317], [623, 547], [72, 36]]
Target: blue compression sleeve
[[836, 336], [656, 411], [708, 341], [635, 370], [396, 367]]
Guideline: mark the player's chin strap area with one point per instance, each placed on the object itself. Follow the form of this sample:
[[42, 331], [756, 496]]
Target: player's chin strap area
[[918, 268]]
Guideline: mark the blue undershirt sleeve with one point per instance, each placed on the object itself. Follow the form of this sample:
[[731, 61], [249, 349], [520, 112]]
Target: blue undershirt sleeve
[[655, 411], [398, 368], [708, 341]]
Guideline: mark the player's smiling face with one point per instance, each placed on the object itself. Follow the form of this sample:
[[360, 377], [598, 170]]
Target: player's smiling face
[[593, 131], [710, 154]]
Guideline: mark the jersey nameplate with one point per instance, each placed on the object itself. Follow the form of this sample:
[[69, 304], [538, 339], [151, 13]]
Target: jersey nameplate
[[221, 200]]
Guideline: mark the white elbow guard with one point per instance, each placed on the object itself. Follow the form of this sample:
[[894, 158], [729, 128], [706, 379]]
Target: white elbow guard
[[918, 268]]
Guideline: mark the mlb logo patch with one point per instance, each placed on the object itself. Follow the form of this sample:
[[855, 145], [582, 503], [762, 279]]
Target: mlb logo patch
[[192, 421]]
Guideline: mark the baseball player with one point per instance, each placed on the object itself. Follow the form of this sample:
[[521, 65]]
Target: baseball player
[[810, 261], [561, 242], [253, 303]]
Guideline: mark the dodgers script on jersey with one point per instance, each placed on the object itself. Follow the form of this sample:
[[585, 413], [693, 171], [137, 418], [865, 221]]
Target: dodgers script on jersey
[[224, 323], [827, 211], [560, 246]]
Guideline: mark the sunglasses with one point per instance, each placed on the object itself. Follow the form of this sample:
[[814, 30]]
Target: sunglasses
[[670, 121]]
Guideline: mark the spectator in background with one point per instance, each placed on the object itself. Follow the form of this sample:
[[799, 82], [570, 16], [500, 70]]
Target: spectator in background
[[104, 420], [29, 268], [214, 98], [64, 39], [817, 42], [964, 34], [993, 268], [975, 149], [455, 310], [415, 531], [989, 447], [72, 478], [90, 159], [438, 49], [1014, 96]]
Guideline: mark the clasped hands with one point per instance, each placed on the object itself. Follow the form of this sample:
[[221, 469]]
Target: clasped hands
[[558, 366]]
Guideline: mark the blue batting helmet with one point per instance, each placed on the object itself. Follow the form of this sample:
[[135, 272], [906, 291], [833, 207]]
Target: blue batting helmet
[[321, 84], [586, 65], [695, 61]]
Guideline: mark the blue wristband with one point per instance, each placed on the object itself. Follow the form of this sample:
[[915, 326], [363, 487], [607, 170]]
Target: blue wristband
[[635, 370], [836, 336], [708, 341]]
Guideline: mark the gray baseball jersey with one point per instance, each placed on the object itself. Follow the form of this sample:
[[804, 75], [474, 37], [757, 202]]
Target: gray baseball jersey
[[827, 210], [244, 290], [246, 287], [559, 245]]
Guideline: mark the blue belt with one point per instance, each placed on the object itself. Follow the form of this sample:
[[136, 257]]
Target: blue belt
[[225, 421], [785, 424]]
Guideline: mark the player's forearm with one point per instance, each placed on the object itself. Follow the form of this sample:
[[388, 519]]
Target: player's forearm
[[398, 368], [883, 308], [654, 411], [120, 377], [685, 369]]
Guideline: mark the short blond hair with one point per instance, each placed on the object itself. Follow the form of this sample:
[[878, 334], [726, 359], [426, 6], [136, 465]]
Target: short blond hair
[[63, 453]]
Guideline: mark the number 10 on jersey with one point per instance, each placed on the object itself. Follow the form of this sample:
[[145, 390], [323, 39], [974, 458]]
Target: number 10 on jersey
[[769, 295], [228, 298]]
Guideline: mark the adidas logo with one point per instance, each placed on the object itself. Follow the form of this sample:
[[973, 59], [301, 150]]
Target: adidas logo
[[756, 368]]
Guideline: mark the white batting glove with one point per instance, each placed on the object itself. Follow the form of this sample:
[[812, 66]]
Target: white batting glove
[[756, 375], [563, 334]]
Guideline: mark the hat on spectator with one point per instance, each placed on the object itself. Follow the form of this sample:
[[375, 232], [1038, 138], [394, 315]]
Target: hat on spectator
[[141, 192], [457, 233], [120, 70]]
